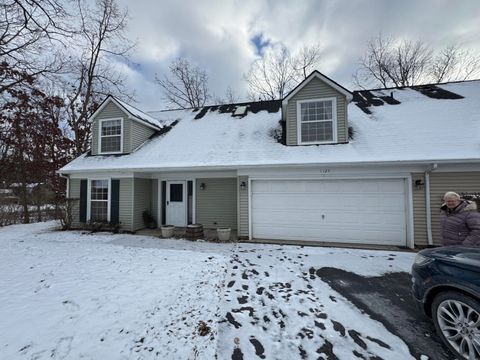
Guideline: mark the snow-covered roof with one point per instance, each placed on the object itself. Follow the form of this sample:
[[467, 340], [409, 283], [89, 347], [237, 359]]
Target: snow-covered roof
[[132, 112], [408, 125]]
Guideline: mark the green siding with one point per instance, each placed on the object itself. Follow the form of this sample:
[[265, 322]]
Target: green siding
[[111, 111], [440, 183], [154, 200], [243, 208], [419, 213], [139, 134], [74, 194], [134, 133], [141, 201], [125, 204], [216, 205], [316, 89]]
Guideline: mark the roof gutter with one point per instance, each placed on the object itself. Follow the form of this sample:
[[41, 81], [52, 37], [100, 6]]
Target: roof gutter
[[292, 165], [427, 203]]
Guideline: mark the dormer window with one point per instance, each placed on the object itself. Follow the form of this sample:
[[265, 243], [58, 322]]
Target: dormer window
[[111, 136], [317, 121]]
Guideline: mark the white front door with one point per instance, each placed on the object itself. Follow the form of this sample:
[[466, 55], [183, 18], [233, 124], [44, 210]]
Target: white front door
[[365, 211], [176, 204]]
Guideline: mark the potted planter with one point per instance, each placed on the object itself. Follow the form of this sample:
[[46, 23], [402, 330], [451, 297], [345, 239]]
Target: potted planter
[[223, 234], [167, 231]]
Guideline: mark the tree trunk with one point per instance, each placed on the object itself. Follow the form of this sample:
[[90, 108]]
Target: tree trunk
[[24, 199]]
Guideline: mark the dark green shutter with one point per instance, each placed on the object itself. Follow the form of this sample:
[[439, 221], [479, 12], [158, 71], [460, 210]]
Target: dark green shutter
[[83, 200], [164, 201], [115, 202]]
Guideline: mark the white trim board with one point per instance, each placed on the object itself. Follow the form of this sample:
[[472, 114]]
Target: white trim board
[[317, 74], [408, 200], [99, 143], [109, 201], [334, 121]]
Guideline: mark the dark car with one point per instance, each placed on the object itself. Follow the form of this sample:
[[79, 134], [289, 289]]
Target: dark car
[[446, 287]]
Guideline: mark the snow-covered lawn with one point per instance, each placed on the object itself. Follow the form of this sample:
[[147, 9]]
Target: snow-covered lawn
[[72, 295]]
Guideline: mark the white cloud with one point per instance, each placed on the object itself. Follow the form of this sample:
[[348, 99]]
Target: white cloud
[[216, 35]]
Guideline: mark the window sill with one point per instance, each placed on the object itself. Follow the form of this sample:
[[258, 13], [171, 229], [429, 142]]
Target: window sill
[[318, 143]]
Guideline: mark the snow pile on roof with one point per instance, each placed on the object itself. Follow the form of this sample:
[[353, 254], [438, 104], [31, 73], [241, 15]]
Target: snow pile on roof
[[141, 115], [420, 128]]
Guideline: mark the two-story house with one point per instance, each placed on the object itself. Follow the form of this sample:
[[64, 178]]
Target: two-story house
[[321, 165]]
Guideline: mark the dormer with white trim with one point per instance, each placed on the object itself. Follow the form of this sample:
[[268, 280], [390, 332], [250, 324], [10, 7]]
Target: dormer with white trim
[[315, 112], [119, 128]]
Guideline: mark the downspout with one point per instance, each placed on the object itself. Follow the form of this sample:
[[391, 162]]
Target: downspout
[[427, 203]]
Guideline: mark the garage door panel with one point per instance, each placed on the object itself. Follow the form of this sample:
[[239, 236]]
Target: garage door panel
[[337, 217], [356, 211], [378, 236]]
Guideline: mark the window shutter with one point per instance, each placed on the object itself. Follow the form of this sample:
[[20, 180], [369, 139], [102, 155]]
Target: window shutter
[[83, 200], [115, 202]]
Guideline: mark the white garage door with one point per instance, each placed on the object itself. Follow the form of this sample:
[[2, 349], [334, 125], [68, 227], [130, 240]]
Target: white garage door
[[347, 211]]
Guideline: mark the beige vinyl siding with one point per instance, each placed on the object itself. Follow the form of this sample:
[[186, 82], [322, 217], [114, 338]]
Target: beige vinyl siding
[[111, 111], [74, 194], [216, 205], [243, 208], [440, 183], [141, 201], [154, 200], [317, 89], [125, 204], [419, 213], [139, 134]]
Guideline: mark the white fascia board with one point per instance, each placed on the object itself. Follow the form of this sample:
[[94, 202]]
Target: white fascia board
[[347, 94], [240, 167], [129, 115], [101, 174]]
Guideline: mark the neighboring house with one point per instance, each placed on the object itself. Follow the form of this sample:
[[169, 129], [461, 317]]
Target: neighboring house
[[322, 165], [8, 197]]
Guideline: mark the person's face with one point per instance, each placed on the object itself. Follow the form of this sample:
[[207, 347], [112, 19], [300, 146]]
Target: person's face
[[452, 202]]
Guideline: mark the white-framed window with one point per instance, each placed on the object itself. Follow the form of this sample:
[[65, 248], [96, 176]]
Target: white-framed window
[[110, 136], [98, 208], [317, 121]]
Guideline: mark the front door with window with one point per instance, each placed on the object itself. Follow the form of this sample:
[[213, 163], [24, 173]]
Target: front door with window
[[176, 209]]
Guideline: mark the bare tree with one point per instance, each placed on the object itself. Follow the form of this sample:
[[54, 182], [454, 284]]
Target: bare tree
[[230, 97], [389, 63], [274, 74], [454, 63], [307, 60], [30, 30], [99, 42], [186, 86], [271, 76]]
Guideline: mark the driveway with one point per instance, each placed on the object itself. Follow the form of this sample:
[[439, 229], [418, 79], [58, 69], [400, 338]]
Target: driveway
[[275, 310], [387, 299]]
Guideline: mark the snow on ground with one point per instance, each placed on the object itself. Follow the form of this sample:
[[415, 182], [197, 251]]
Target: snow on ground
[[68, 295], [72, 295]]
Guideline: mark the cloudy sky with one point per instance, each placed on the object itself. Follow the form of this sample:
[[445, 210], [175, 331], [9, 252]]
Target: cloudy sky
[[222, 36]]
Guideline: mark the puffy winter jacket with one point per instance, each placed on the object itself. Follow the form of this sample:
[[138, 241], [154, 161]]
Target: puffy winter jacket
[[461, 226]]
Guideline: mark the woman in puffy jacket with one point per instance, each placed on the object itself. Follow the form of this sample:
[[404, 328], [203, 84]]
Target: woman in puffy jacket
[[460, 221]]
